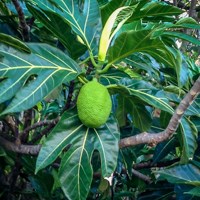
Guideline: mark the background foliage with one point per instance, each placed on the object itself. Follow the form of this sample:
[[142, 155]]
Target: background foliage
[[146, 54]]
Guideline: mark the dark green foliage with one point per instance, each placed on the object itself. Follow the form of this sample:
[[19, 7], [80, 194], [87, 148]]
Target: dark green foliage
[[147, 76]]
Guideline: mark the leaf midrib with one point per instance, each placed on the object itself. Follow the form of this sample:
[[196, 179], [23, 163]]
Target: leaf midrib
[[38, 168]]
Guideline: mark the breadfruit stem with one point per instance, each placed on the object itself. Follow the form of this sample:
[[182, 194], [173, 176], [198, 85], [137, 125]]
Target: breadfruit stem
[[97, 66], [82, 79], [105, 69]]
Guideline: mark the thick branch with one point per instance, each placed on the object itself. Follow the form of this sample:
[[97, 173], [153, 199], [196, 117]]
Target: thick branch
[[154, 138], [22, 20], [192, 10], [23, 149]]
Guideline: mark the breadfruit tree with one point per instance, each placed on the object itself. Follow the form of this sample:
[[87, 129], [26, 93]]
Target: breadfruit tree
[[99, 99]]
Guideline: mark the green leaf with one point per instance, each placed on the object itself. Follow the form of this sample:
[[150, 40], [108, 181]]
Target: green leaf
[[42, 184], [113, 24], [155, 9], [194, 192], [11, 41], [109, 8], [76, 163], [65, 132], [28, 78], [131, 42], [83, 18], [196, 123], [183, 36], [163, 149], [140, 116], [186, 20], [145, 92], [177, 64], [189, 140], [60, 28], [106, 142], [2, 152], [112, 76], [76, 167], [194, 108], [181, 174]]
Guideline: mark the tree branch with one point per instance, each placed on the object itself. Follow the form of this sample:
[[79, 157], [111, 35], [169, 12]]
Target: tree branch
[[39, 124], [22, 21], [70, 95], [150, 164], [155, 138], [42, 133], [23, 149], [192, 10], [141, 176]]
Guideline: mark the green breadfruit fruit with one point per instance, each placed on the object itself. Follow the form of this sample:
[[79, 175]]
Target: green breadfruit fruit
[[94, 104]]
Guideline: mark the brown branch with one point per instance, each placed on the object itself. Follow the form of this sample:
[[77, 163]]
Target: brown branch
[[192, 10], [149, 164], [90, 68], [40, 124], [70, 95], [27, 122], [42, 133], [141, 176], [155, 138], [22, 21], [15, 173], [23, 149]]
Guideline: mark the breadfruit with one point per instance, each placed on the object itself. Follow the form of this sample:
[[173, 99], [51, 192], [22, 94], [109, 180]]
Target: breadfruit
[[93, 104]]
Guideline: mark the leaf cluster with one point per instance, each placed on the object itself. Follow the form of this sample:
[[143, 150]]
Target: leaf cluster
[[147, 75]]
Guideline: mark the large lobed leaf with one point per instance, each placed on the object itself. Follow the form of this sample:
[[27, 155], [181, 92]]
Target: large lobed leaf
[[130, 42], [76, 172], [83, 17], [60, 28], [28, 78]]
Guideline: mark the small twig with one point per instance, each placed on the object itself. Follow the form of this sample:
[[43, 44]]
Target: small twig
[[141, 176], [40, 124], [175, 2], [70, 95], [42, 133], [149, 164], [27, 123], [90, 68], [15, 173], [31, 22], [22, 21], [155, 138]]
